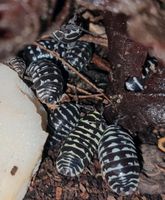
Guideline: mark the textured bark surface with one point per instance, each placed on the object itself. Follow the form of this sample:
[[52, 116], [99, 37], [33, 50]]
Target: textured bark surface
[[152, 177], [125, 55], [146, 20], [138, 112], [135, 111]]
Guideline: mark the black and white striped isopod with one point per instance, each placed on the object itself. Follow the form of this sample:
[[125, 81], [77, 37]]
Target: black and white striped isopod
[[80, 145], [80, 55], [137, 84], [62, 121], [53, 45], [134, 84], [149, 67], [60, 41], [118, 158], [70, 32], [33, 53], [17, 64], [47, 79]]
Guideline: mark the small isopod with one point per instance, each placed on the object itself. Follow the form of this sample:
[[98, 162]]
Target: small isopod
[[137, 84]]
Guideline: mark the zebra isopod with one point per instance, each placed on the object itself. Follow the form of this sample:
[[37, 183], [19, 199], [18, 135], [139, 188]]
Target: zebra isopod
[[61, 41], [17, 64], [32, 53], [80, 145], [80, 55], [119, 161], [137, 84], [149, 67], [62, 121], [65, 43], [47, 79], [134, 84], [70, 32]]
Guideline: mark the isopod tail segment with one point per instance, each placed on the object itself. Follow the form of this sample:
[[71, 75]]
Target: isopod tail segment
[[134, 84], [119, 160], [150, 67], [80, 145], [137, 84], [17, 64]]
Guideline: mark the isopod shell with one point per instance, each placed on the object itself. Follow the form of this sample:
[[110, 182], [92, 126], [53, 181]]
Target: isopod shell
[[47, 79], [80, 146], [62, 121], [119, 161]]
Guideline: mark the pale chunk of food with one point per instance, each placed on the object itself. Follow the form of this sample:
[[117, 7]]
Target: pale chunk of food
[[22, 135]]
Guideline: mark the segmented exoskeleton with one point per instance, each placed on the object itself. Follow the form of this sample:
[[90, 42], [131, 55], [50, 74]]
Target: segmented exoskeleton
[[47, 79], [136, 84], [70, 32], [60, 41], [65, 43], [77, 53], [17, 64], [61, 122], [32, 53], [119, 162], [80, 145], [80, 55]]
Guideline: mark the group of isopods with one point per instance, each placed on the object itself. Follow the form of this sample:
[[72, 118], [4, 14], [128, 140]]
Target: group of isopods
[[84, 135]]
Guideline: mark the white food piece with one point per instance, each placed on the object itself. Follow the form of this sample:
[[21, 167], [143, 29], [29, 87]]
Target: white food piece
[[22, 135]]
